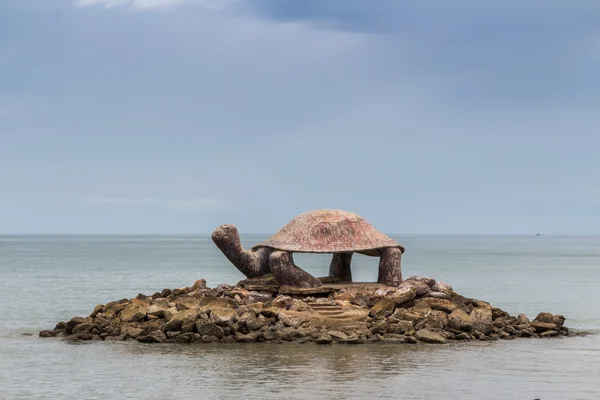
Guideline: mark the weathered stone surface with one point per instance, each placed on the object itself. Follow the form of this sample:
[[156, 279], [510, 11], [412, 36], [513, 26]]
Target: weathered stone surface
[[428, 336], [73, 322], [403, 314], [558, 320], [482, 319], [189, 303], [543, 326], [338, 335], [460, 320], [223, 316], [522, 319], [115, 307], [424, 279], [290, 319], [157, 307], [498, 313], [132, 332], [463, 336], [173, 325], [544, 317], [421, 308], [153, 337], [47, 333], [443, 288], [199, 284], [400, 327], [86, 326], [209, 339], [324, 339], [383, 308], [135, 311], [440, 304], [247, 338], [393, 338], [403, 295], [209, 329], [97, 310], [420, 288]]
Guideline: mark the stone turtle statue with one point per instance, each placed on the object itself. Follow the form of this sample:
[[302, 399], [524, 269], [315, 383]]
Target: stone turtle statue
[[339, 232]]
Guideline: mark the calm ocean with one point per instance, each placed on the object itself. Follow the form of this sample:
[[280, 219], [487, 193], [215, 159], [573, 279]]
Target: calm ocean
[[46, 279]]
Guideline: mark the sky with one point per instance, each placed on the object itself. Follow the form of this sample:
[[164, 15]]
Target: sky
[[175, 116]]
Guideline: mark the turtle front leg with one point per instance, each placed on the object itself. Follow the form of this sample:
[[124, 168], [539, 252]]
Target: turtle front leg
[[390, 272], [287, 273], [340, 267]]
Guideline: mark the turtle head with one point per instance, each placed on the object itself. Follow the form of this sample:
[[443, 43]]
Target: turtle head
[[225, 236], [227, 239]]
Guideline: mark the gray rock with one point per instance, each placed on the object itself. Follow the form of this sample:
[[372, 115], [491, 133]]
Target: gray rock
[[153, 337], [47, 334], [209, 329], [324, 339], [135, 311], [428, 336], [482, 320], [460, 320], [338, 335]]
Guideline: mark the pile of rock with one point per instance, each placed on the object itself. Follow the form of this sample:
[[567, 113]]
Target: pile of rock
[[419, 310]]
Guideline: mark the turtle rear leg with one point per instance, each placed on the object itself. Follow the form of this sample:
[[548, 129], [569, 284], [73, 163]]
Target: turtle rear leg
[[287, 273], [390, 272], [340, 267]]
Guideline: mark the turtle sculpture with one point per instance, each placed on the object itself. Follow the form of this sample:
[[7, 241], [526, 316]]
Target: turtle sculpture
[[339, 232]]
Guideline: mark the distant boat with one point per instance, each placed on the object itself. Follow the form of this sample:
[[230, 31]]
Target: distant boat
[[537, 234]]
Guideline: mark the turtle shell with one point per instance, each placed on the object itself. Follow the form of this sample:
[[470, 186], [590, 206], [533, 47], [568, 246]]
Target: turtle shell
[[329, 231]]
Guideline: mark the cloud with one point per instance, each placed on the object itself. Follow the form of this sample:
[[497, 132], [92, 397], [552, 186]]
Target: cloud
[[148, 4], [206, 203]]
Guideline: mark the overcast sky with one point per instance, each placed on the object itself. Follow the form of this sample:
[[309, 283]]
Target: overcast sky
[[164, 116]]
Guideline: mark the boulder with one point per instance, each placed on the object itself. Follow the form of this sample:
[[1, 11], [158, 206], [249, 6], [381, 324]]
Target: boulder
[[84, 327], [544, 317], [522, 319], [209, 329], [47, 333], [134, 311], [543, 326], [209, 339], [440, 304], [324, 339], [383, 308], [420, 288], [247, 338], [199, 284], [173, 325], [292, 319], [223, 316], [402, 314], [403, 295], [132, 332], [443, 288], [481, 318], [338, 335], [399, 327], [188, 303], [157, 307], [460, 320], [425, 335], [73, 322], [423, 279], [113, 308], [153, 337]]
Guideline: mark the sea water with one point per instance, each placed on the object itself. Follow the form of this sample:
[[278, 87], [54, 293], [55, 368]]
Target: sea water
[[46, 279]]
